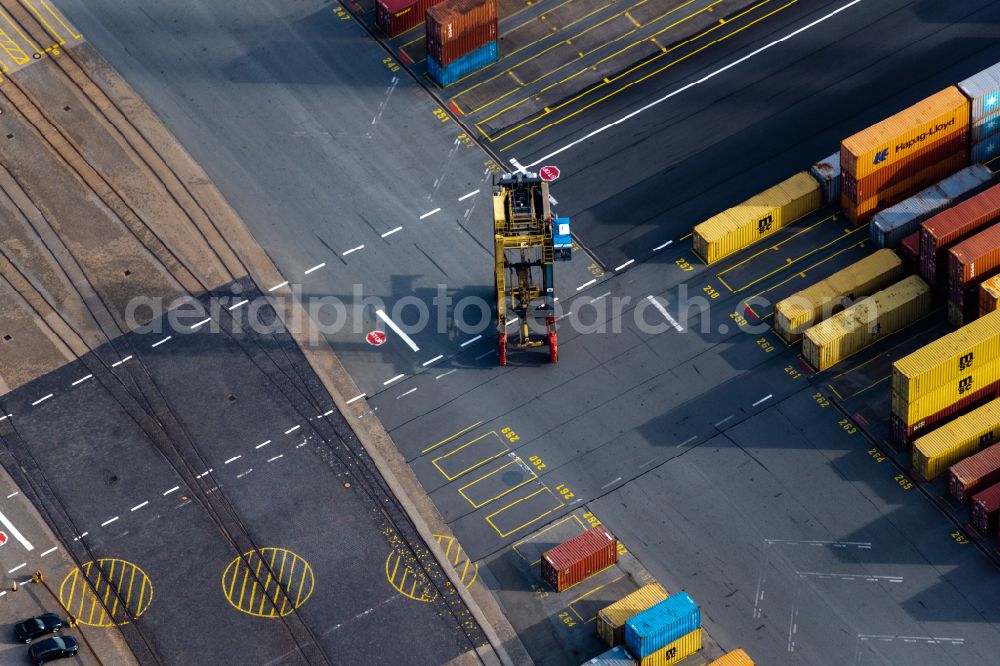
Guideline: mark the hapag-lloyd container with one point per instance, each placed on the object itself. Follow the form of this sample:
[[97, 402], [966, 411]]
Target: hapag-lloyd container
[[737, 657], [903, 432], [968, 477], [674, 652], [611, 619], [616, 656], [889, 227], [759, 216], [951, 226], [898, 137], [983, 90], [989, 295], [986, 150], [866, 322], [985, 509], [938, 450], [793, 315], [662, 624], [953, 149], [910, 251], [970, 262], [827, 172], [579, 558], [458, 27], [394, 17], [445, 75]]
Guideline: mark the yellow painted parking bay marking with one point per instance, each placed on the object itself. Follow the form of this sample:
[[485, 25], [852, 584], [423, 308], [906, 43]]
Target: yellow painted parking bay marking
[[106, 592], [530, 549], [523, 512], [495, 484], [471, 455], [582, 597], [455, 436]]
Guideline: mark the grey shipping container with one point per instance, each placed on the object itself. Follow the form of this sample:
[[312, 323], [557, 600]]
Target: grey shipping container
[[983, 89], [889, 227], [986, 150], [616, 656], [827, 172]]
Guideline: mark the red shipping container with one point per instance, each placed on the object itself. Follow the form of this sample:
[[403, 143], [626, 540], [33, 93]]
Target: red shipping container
[[972, 261], [579, 558], [986, 510], [395, 17], [458, 27], [910, 250], [951, 226], [953, 148], [903, 434], [978, 471]]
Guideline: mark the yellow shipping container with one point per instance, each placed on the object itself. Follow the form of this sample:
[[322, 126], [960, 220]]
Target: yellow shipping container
[[938, 450], [866, 322], [947, 358], [989, 295], [737, 227], [671, 653], [611, 619], [898, 137], [793, 315], [947, 394], [735, 658]]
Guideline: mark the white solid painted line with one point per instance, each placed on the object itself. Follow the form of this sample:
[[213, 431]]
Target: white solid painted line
[[41, 400], [243, 302], [157, 344], [81, 536], [242, 474], [597, 298], [83, 379], [764, 399], [262, 444], [517, 165], [175, 488], [429, 213], [280, 455], [446, 374], [663, 311], [50, 551], [356, 398], [660, 247], [201, 323], [233, 459], [512, 321], [109, 521], [205, 473], [586, 284], [13, 494], [710, 75], [18, 567], [470, 194], [402, 395], [16, 532], [433, 360], [391, 324], [299, 446], [626, 264], [315, 268], [292, 429], [278, 286], [391, 232], [564, 315], [608, 485], [139, 506], [328, 412], [717, 424], [389, 381], [5, 417], [470, 341]]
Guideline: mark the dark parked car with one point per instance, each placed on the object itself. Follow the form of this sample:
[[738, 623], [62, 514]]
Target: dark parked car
[[53, 648], [31, 629]]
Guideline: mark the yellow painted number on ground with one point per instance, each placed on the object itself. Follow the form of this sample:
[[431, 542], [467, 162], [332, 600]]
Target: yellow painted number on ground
[[876, 455], [493, 166], [848, 427], [592, 519], [712, 293], [342, 13], [567, 620], [537, 462], [903, 482], [959, 537], [440, 114], [792, 372], [466, 140], [765, 345], [821, 400], [595, 270], [738, 318], [393, 67], [684, 265], [564, 491], [510, 434], [539, 592]]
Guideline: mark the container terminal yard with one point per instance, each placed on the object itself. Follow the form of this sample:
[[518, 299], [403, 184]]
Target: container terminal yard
[[500, 332]]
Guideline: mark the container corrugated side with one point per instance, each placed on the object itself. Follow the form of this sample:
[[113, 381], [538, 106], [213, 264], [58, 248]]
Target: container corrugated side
[[866, 322], [983, 90], [904, 133], [989, 295], [972, 261], [662, 624], [455, 28], [793, 315], [903, 432], [612, 618], [948, 393], [470, 40], [986, 150], [445, 75], [909, 249], [985, 509], [677, 651], [978, 471], [947, 358], [827, 172], [737, 657], [395, 17], [951, 226], [889, 227], [899, 176], [757, 217], [937, 451], [617, 656], [579, 558]]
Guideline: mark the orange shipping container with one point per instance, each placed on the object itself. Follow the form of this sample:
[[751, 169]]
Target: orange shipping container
[[735, 658], [900, 136], [579, 558], [948, 149]]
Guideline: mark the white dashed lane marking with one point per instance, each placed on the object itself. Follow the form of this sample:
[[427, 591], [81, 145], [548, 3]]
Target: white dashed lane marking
[[83, 379], [139, 506], [429, 213], [315, 268], [470, 341], [391, 232], [353, 249], [278, 286], [41, 400]]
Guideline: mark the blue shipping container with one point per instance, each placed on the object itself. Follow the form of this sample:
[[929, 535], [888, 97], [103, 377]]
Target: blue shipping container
[[987, 150], [664, 623], [889, 227], [467, 64], [616, 656]]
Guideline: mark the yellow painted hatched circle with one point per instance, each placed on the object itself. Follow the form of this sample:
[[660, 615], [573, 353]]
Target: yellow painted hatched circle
[[269, 582], [107, 592], [414, 584]]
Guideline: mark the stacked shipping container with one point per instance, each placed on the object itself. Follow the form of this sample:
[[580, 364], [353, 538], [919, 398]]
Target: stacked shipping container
[[976, 472], [951, 226], [735, 658], [579, 558], [665, 633], [617, 656], [986, 509], [461, 38], [910, 250], [989, 295], [983, 90], [943, 447], [394, 17], [611, 619], [969, 263]]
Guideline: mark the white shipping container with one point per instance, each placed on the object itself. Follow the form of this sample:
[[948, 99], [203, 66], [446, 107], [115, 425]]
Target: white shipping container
[[983, 89], [984, 151], [889, 227], [827, 172]]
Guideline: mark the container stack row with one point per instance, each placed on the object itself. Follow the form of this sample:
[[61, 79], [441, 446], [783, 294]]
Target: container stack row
[[461, 38], [983, 90]]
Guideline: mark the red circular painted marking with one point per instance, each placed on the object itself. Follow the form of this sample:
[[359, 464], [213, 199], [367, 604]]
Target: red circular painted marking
[[3, 538], [549, 173], [375, 338]]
